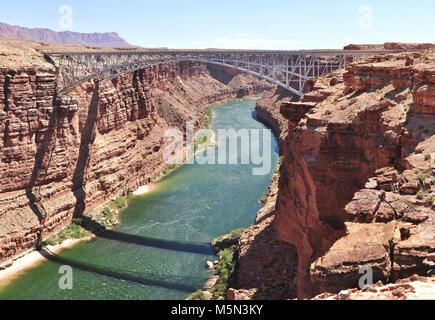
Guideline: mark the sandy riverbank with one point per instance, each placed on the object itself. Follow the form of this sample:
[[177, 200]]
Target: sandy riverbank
[[33, 258], [143, 190]]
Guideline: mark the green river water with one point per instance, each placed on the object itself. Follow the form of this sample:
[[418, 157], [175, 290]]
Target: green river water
[[160, 249]]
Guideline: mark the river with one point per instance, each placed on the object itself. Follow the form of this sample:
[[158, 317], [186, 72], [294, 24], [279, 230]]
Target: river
[[160, 248]]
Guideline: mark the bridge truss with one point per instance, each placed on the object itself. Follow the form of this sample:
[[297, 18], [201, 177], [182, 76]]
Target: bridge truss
[[288, 69]]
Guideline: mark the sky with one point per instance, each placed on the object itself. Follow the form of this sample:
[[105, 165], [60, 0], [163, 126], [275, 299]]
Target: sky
[[267, 24]]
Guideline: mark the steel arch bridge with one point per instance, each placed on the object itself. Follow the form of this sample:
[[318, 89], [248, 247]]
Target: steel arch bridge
[[287, 69]]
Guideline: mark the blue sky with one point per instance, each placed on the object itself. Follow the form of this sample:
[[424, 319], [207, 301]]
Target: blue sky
[[267, 24]]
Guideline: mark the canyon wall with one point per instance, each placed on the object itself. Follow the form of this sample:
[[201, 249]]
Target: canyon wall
[[357, 184], [268, 111], [62, 155]]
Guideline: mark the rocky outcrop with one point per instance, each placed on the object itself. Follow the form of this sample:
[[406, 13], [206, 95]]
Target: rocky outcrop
[[108, 39], [413, 288], [294, 112], [407, 46], [61, 156], [363, 245]]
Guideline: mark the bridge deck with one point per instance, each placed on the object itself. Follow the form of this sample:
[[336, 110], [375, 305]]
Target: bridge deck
[[320, 52], [288, 69]]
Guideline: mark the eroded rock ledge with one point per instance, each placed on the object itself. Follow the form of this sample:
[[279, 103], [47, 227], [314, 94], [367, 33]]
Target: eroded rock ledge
[[60, 156], [356, 184]]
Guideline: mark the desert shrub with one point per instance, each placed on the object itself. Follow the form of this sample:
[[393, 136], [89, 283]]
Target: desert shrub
[[119, 203], [226, 268], [197, 295], [237, 232], [263, 199]]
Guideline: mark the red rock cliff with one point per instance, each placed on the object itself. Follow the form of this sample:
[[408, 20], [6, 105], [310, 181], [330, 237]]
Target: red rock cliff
[[364, 127], [356, 184]]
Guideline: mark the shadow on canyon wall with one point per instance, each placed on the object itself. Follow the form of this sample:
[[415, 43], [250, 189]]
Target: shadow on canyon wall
[[46, 147], [275, 135], [163, 281], [87, 138], [285, 94], [45, 154], [274, 274]]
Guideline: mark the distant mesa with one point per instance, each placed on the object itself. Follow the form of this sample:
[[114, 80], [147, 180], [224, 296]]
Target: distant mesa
[[108, 39], [390, 46]]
